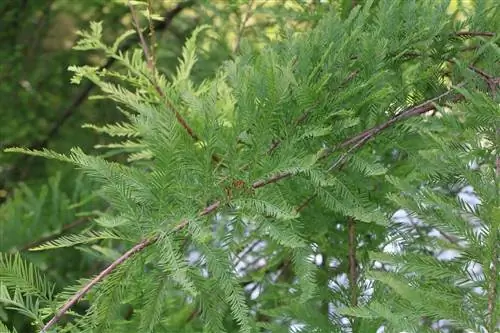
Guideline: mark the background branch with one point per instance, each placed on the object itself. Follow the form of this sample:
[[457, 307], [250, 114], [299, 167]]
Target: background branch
[[84, 92]]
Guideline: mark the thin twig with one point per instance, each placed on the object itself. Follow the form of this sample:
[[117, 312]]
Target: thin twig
[[413, 111], [64, 229], [250, 248], [144, 44], [305, 203], [67, 112], [352, 262], [76, 297], [147, 55], [152, 33], [243, 23], [474, 33]]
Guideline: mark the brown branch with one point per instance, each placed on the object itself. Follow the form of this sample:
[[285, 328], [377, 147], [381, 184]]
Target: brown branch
[[137, 248], [474, 33], [305, 203], [273, 179], [64, 229], [490, 80], [485, 75], [243, 23], [411, 112], [76, 297], [352, 264], [359, 140], [149, 60], [67, 112], [144, 45]]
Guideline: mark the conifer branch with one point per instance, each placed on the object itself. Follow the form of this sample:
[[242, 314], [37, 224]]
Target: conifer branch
[[352, 262], [137, 248], [152, 80], [82, 95], [70, 110], [474, 33], [359, 140], [64, 229], [241, 28], [82, 292], [411, 112], [142, 41]]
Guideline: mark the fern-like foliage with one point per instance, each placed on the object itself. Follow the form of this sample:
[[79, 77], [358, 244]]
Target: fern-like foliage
[[307, 147]]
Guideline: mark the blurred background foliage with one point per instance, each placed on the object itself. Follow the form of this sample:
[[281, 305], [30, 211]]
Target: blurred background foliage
[[39, 108]]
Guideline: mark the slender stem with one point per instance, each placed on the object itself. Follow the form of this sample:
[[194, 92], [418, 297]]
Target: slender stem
[[243, 23], [145, 47], [137, 248], [76, 297], [474, 33], [152, 33], [64, 229], [353, 267], [305, 203], [149, 60]]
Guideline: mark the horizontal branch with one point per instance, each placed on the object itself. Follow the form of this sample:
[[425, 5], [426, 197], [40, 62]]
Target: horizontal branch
[[65, 228], [360, 139], [474, 33]]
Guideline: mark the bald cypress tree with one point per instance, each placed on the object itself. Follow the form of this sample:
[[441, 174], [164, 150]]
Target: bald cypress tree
[[263, 199]]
